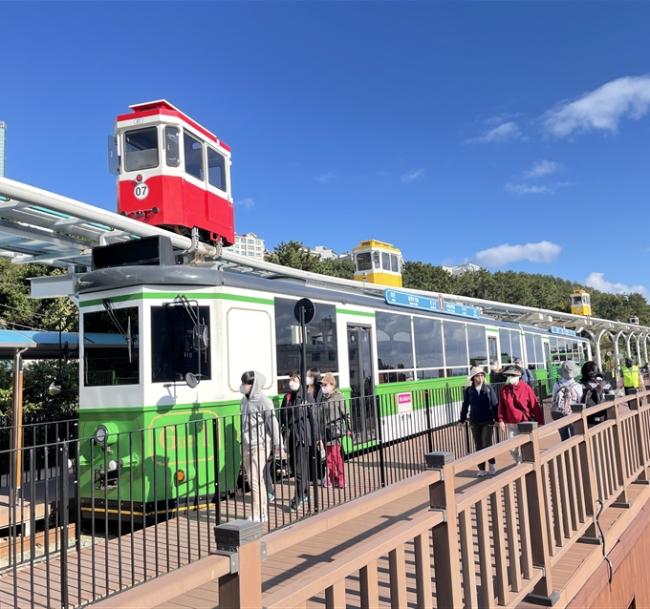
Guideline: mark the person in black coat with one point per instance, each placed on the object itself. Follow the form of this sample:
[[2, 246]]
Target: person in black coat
[[301, 435], [481, 401]]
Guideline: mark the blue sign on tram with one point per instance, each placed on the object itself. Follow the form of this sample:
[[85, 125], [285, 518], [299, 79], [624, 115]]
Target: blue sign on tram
[[425, 303], [563, 331]]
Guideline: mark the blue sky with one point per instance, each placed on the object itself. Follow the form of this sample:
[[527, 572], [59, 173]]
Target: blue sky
[[515, 135]]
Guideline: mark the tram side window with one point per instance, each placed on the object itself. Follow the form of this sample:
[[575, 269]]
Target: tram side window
[[477, 346], [111, 348], [174, 344], [172, 147], [193, 156], [428, 347], [506, 348], [216, 169], [322, 351], [385, 261], [364, 262], [455, 348], [394, 263], [394, 347], [530, 348], [515, 338], [141, 149], [376, 260]]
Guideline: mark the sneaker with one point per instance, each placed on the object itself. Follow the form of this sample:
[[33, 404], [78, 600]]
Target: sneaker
[[270, 496], [492, 469], [340, 485], [481, 473], [296, 504], [326, 484]]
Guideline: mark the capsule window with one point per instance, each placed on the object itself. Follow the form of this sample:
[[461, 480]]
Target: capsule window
[[193, 157], [394, 263], [216, 169], [376, 260], [385, 261], [364, 262], [141, 149], [172, 147]]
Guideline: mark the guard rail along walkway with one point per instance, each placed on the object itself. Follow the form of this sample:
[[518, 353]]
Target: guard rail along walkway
[[534, 533]]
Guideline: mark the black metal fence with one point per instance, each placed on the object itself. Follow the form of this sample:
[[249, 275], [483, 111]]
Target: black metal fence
[[93, 516]]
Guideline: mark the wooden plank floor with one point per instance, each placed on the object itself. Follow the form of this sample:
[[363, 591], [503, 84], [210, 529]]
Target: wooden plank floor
[[106, 565]]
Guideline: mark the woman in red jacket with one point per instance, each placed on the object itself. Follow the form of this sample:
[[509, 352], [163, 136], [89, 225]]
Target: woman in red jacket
[[517, 403]]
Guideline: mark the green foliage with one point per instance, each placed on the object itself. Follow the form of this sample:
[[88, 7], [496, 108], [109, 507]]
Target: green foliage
[[533, 290]]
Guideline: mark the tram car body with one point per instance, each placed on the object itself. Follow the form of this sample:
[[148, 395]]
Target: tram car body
[[173, 172], [580, 303], [152, 440]]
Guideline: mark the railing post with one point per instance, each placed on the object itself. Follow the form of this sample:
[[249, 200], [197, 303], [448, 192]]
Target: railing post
[[641, 439], [217, 463], [239, 540], [588, 474], [445, 535], [380, 437], [427, 406], [543, 593], [65, 518]]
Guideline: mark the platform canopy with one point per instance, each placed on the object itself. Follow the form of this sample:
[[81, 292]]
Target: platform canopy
[[38, 344]]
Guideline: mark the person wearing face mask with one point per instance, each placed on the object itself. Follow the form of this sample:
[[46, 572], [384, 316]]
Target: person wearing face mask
[[593, 391], [314, 392], [335, 425], [260, 435], [526, 374], [298, 420], [566, 392], [517, 403], [481, 401]]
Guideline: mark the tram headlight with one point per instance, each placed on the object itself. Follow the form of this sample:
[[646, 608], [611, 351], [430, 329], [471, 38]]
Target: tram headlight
[[101, 435]]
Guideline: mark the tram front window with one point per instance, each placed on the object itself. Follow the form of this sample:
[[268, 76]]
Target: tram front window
[[111, 347], [364, 262], [193, 156], [216, 170], [175, 344], [141, 149]]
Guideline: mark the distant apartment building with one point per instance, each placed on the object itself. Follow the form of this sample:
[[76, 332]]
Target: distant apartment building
[[3, 130], [324, 252], [462, 268], [249, 245]]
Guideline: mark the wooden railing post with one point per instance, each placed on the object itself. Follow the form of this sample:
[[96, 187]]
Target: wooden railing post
[[446, 557], [588, 475], [543, 593], [240, 541], [622, 499], [641, 439]]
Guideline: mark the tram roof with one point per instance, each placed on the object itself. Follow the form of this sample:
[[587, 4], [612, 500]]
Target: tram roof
[[37, 226], [39, 344]]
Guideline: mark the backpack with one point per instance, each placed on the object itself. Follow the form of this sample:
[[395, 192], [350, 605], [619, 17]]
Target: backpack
[[563, 399]]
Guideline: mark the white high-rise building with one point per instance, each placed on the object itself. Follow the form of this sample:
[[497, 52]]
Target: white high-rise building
[[3, 129], [248, 245], [324, 252]]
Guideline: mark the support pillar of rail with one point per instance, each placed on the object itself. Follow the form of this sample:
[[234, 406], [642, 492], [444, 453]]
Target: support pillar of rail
[[239, 540], [442, 496], [543, 593]]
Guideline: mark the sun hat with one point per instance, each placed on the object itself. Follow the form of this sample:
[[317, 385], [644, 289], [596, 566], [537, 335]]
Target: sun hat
[[474, 370], [512, 371], [569, 369]]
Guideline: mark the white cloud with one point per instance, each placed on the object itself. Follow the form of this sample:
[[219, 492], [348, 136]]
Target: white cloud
[[526, 189], [246, 202], [602, 108], [325, 178], [598, 282], [413, 176], [541, 169], [501, 255], [501, 133]]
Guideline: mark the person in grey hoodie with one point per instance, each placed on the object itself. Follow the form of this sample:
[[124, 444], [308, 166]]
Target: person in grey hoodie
[[260, 436]]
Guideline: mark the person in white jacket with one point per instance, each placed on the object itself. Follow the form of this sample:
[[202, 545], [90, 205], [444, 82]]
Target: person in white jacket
[[260, 435]]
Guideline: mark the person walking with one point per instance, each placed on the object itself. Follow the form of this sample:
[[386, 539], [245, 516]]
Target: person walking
[[481, 401], [496, 373], [517, 403], [594, 389], [526, 375], [335, 425], [297, 418], [260, 435], [566, 391], [630, 372]]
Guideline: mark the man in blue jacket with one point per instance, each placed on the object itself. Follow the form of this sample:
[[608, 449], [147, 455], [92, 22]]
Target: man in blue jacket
[[481, 401]]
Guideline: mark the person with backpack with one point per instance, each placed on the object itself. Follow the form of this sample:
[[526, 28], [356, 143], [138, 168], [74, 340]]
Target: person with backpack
[[526, 375], [566, 391], [335, 426], [517, 403], [481, 401]]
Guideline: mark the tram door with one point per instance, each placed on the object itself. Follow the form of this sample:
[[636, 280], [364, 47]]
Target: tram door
[[493, 350], [363, 414]]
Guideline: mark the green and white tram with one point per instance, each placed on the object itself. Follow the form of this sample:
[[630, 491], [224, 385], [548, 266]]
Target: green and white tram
[[145, 327]]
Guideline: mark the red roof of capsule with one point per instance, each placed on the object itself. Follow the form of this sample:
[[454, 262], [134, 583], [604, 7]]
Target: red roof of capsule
[[162, 106]]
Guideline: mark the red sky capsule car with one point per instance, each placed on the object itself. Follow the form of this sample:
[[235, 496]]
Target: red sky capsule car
[[173, 172]]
